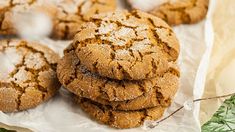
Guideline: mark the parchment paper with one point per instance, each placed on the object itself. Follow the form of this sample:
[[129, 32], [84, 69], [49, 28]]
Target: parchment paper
[[220, 77], [60, 114]]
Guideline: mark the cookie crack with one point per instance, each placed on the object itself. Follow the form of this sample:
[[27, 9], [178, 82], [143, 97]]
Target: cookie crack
[[21, 92], [144, 116], [95, 65], [154, 66], [111, 116], [79, 8], [102, 94], [124, 72], [164, 46], [165, 18], [132, 55], [159, 96], [66, 32], [2, 16], [135, 14], [185, 17], [24, 45], [73, 75]]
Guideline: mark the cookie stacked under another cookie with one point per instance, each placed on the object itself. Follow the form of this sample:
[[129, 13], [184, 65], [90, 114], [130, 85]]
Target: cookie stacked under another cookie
[[122, 68]]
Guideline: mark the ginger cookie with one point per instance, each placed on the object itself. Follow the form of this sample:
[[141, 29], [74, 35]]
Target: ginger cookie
[[131, 94], [160, 95], [78, 80], [27, 75], [71, 14], [66, 15], [126, 45], [175, 12], [117, 118]]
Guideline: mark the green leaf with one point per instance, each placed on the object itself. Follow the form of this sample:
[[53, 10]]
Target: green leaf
[[5, 130], [224, 119]]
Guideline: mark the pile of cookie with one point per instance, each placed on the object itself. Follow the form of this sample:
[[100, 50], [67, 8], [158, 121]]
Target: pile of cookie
[[121, 68], [28, 69]]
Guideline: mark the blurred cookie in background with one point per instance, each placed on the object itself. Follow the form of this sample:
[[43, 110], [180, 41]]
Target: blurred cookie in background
[[174, 12], [59, 19]]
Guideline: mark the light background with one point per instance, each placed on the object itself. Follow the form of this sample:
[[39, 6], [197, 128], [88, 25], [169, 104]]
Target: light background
[[220, 78], [221, 72]]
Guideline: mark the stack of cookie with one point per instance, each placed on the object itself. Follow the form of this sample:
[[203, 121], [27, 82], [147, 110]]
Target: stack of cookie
[[121, 67]]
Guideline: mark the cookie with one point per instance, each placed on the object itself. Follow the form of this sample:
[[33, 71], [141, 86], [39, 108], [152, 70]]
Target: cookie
[[160, 95], [175, 12], [182, 11], [27, 75], [72, 14], [134, 94], [78, 80], [126, 45], [66, 15], [117, 118]]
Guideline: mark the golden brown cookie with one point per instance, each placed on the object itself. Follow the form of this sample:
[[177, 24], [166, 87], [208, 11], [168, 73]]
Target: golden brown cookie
[[126, 45], [175, 12], [160, 95], [117, 118], [122, 95], [71, 14], [81, 82], [66, 15], [27, 75], [182, 11]]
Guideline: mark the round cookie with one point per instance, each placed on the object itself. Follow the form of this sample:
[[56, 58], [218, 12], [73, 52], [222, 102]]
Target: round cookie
[[27, 75], [117, 118], [72, 14], [66, 15], [160, 95], [133, 94], [81, 82], [175, 12], [182, 11], [126, 45]]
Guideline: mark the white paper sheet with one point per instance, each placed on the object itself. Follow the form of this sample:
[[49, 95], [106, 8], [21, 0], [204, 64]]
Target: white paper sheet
[[60, 114]]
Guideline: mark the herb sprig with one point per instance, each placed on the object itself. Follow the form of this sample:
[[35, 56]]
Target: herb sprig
[[224, 119]]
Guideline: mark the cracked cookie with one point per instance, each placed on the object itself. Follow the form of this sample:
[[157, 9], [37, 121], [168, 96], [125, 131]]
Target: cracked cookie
[[27, 75], [66, 15], [122, 95], [160, 95], [117, 118], [77, 79], [175, 12], [126, 45]]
